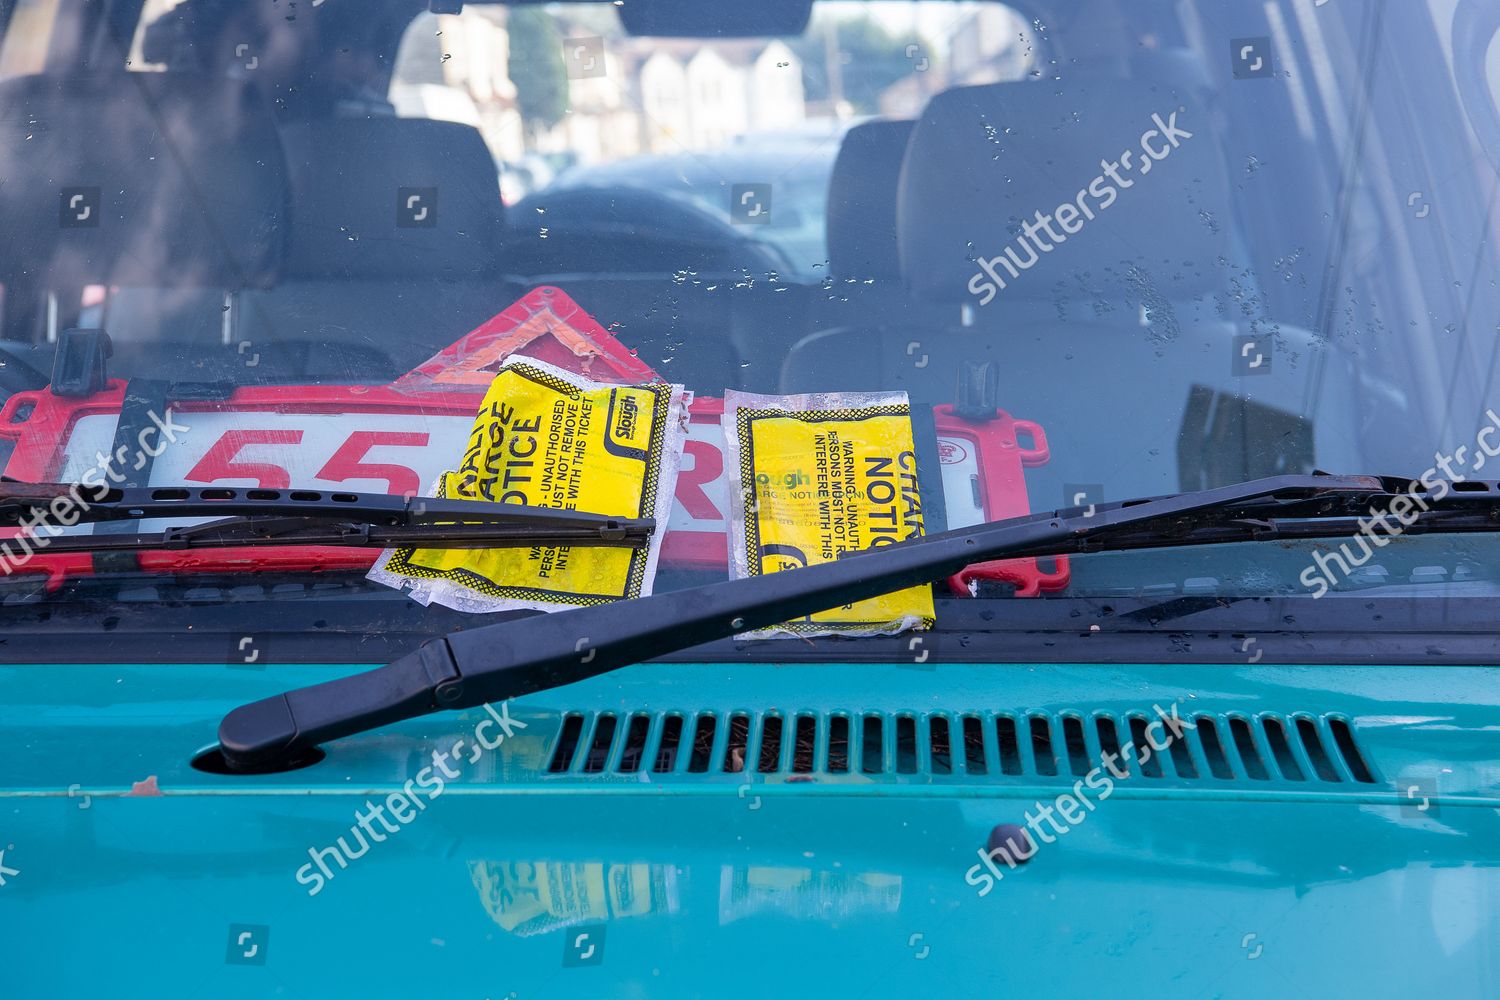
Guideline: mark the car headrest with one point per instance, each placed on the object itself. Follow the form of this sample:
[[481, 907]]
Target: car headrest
[[862, 201], [386, 197], [158, 179], [1173, 67], [983, 161]]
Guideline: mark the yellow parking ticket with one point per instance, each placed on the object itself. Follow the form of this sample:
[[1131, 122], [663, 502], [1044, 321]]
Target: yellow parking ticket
[[550, 438], [527, 898], [822, 474]]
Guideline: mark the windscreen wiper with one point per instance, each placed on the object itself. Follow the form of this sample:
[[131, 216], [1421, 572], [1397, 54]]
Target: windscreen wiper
[[264, 517], [522, 656]]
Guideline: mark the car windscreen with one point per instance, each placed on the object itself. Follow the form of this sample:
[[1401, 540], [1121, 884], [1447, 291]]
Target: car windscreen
[[908, 266]]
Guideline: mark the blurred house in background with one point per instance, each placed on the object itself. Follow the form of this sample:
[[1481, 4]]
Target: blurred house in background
[[653, 96]]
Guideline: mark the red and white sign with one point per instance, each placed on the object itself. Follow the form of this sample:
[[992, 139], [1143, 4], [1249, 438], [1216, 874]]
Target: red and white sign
[[399, 438]]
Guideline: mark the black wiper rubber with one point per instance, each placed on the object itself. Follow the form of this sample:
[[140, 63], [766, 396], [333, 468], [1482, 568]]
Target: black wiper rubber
[[264, 517], [495, 662]]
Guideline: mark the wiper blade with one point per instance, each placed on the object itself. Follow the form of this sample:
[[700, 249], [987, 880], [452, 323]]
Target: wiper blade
[[262, 517], [495, 662]]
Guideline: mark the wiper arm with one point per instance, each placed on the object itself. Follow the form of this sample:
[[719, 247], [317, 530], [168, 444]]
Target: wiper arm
[[492, 663], [262, 517]]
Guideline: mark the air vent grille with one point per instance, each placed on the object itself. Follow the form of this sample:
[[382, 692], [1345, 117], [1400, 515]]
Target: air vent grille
[[985, 746]]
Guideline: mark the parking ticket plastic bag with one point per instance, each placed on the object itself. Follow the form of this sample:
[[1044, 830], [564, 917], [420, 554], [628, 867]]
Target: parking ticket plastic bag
[[551, 438], [821, 474]]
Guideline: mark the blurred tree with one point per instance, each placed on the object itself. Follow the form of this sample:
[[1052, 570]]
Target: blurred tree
[[536, 68]]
